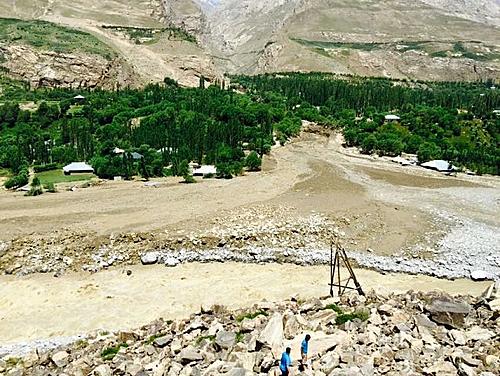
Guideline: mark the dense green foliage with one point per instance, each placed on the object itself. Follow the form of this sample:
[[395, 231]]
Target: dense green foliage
[[164, 127], [451, 121], [51, 37]]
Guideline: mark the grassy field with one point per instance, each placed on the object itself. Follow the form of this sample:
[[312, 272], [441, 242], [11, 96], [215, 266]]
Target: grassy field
[[57, 176], [48, 36]]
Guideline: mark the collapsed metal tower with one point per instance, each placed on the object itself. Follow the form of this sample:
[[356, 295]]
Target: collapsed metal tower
[[335, 265]]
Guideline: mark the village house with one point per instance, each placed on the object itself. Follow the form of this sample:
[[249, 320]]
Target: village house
[[78, 168]]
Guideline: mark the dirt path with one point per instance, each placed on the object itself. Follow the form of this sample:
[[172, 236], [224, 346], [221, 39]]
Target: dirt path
[[42, 306]]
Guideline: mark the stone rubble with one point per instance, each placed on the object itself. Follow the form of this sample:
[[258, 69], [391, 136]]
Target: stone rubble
[[256, 235], [353, 335]]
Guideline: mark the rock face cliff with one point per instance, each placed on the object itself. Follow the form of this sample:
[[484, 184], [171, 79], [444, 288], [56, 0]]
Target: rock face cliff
[[54, 69]]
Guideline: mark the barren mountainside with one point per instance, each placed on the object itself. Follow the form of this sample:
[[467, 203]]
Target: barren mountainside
[[186, 39]]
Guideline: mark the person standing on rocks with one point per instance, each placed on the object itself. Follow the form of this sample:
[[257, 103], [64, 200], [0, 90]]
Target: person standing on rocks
[[286, 362], [304, 349]]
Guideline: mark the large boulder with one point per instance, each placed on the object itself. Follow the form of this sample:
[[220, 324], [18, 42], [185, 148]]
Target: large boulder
[[190, 354], [481, 275], [477, 333], [102, 370], [320, 344], [272, 336], [441, 368], [171, 261], [448, 312]]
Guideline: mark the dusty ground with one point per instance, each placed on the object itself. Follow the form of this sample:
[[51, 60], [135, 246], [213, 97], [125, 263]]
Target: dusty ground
[[42, 306], [378, 204]]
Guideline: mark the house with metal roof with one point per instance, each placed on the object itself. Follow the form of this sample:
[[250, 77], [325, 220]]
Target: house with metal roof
[[440, 165], [78, 168]]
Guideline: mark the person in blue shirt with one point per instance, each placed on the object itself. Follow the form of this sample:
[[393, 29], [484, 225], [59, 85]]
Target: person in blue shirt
[[304, 349], [286, 362]]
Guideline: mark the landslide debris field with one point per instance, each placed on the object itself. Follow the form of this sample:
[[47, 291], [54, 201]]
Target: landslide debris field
[[388, 217], [412, 333]]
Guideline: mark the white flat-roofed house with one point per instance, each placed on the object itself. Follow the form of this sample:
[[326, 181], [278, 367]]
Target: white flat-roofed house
[[440, 165], [205, 170], [78, 168]]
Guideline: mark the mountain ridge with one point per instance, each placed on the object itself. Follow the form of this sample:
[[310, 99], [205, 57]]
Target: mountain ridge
[[423, 39]]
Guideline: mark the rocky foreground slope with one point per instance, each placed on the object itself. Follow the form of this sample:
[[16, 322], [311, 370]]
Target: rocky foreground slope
[[411, 334]]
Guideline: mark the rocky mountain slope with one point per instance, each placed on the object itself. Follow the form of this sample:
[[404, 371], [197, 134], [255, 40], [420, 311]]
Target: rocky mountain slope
[[393, 38], [411, 334], [144, 44], [423, 39]]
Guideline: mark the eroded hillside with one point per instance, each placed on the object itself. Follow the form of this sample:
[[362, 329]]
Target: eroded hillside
[[139, 36], [393, 38], [184, 40]]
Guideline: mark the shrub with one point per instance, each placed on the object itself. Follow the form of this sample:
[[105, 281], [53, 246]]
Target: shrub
[[335, 308], [345, 317], [18, 180], [368, 144], [240, 337], [209, 338], [251, 315], [34, 191], [110, 352], [45, 167], [428, 151], [253, 162], [50, 187], [188, 179]]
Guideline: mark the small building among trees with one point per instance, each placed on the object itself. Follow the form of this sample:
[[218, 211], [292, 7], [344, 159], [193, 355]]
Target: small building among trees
[[440, 165], [392, 117], [205, 170], [78, 168]]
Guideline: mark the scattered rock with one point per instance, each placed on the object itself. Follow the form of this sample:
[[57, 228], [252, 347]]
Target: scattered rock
[[225, 339], [481, 275], [60, 358], [207, 344], [149, 258], [171, 261]]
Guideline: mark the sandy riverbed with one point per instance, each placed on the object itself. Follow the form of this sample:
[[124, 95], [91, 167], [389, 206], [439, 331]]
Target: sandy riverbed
[[42, 306]]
